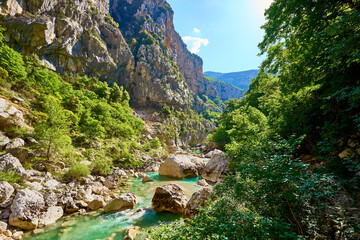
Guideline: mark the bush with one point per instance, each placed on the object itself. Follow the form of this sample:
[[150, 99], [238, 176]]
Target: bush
[[102, 165], [76, 171], [9, 176], [268, 195], [12, 62], [4, 78], [155, 143], [152, 144]]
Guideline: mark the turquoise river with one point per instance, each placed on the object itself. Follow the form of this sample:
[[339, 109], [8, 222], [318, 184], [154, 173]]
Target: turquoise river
[[98, 225]]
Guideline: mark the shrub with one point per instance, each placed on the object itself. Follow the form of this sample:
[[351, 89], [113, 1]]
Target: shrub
[[102, 165], [155, 143], [9, 176], [4, 78], [12, 62], [77, 170], [268, 195]]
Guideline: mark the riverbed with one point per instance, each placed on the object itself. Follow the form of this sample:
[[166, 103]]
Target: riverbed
[[98, 225]]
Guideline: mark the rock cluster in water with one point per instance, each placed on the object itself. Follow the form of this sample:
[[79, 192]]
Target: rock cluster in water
[[182, 166]]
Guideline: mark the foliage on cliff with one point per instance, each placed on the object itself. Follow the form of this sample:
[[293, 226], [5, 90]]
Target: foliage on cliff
[[280, 186], [70, 113]]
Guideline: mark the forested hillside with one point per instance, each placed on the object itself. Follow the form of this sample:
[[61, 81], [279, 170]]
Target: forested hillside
[[294, 137], [239, 79]]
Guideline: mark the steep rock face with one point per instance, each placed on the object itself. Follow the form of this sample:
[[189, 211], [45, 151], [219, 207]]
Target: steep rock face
[[80, 37], [155, 18], [71, 36], [12, 7], [156, 81], [225, 91]]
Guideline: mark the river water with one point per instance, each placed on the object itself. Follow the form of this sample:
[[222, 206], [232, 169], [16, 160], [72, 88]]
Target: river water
[[98, 225]]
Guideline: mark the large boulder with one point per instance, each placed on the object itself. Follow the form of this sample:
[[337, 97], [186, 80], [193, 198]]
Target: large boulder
[[169, 198], [182, 166], [215, 167], [9, 162], [6, 190], [197, 199], [124, 201], [10, 116], [52, 215], [97, 203], [27, 209]]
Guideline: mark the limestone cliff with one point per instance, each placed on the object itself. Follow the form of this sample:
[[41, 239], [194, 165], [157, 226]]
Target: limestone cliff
[[69, 36], [152, 22], [81, 37]]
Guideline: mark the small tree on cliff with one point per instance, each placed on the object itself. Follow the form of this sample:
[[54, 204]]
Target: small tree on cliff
[[53, 134]]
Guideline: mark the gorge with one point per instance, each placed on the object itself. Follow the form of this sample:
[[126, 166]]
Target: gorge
[[109, 126]]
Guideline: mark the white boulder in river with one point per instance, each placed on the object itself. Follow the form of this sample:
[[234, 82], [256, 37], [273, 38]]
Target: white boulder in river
[[124, 201], [182, 166], [169, 198], [216, 166]]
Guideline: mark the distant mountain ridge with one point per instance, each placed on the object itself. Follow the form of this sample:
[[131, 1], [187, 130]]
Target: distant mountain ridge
[[238, 79]]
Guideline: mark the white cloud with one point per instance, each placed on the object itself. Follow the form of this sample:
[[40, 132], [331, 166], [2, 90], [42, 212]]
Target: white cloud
[[196, 30], [194, 43]]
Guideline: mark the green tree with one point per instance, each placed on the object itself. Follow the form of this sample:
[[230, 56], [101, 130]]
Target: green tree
[[53, 134], [239, 122], [116, 93], [12, 62]]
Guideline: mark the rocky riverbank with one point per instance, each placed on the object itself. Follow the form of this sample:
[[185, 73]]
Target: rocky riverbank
[[40, 199]]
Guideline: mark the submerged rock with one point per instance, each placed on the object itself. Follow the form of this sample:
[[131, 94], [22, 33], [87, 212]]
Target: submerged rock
[[147, 179], [169, 198], [215, 167], [197, 199], [182, 166], [124, 201]]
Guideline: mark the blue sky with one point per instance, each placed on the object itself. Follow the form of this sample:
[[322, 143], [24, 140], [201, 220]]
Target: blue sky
[[224, 33]]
